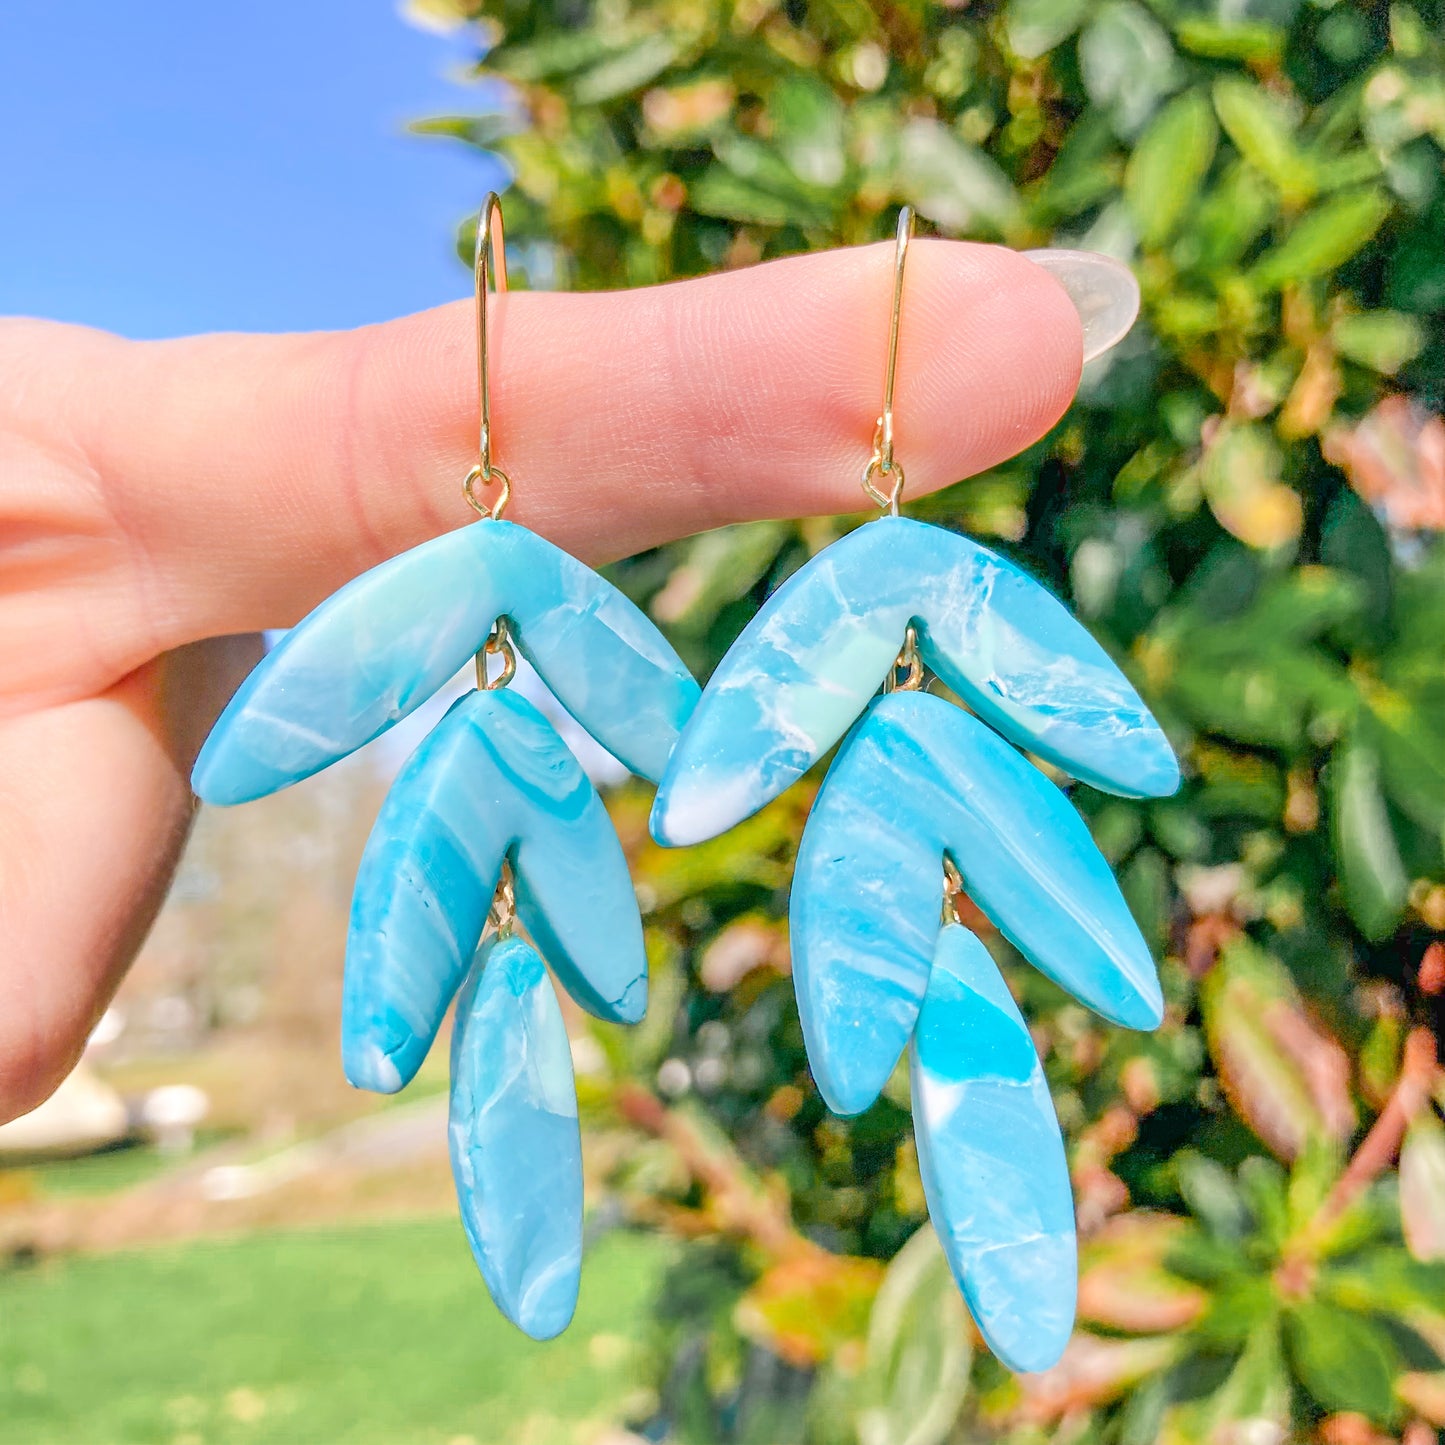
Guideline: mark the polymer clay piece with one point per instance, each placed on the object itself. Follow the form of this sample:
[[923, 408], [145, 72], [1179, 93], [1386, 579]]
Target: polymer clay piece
[[387, 641], [807, 664], [919, 782], [515, 1144], [916, 779], [492, 786], [491, 782], [991, 1157]]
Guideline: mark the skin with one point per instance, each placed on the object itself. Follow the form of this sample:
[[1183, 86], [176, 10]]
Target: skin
[[161, 502]]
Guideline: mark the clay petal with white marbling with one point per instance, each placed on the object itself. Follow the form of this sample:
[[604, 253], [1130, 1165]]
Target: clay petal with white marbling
[[991, 1157], [491, 781], [916, 779], [805, 667], [388, 640], [515, 1144]]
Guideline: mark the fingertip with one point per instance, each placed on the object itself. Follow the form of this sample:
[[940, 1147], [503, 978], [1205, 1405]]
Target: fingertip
[[32, 1067], [994, 362], [1103, 292]]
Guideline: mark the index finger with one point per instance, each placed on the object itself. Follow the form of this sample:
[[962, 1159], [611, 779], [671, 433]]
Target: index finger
[[253, 475]]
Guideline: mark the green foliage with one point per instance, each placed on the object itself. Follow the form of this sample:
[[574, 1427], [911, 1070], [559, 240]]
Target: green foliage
[[1228, 505]]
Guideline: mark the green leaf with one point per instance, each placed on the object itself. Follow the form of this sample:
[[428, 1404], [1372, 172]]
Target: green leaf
[[1301, 606], [1238, 1308], [1286, 1077], [1372, 875], [1169, 163], [915, 1374], [1146, 888], [1411, 753], [1312, 1175], [1241, 474], [555, 54], [808, 125], [1254, 42], [627, 71], [478, 130], [806, 1307], [1422, 1187], [1258, 1387], [1325, 238], [1035, 27], [1262, 128], [755, 184], [1264, 1187], [1262, 694], [1230, 217], [1385, 1281], [1347, 1362], [1381, 340], [719, 192], [1084, 172], [1211, 1194], [1353, 542], [1208, 1259], [716, 568], [953, 183], [1128, 64]]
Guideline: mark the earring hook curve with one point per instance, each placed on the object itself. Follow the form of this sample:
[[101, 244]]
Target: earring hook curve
[[489, 270], [882, 462]]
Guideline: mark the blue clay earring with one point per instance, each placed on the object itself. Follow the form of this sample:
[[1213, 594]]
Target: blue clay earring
[[491, 817], [925, 798]]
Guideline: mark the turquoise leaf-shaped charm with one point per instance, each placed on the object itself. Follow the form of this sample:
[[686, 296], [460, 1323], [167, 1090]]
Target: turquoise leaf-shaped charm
[[491, 783], [515, 1144], [917, 780], [991, 1157], [917, 784], [491, 789], [807, 664], [386, 642]]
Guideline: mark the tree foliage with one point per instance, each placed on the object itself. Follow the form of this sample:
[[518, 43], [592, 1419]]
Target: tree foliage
[[1241, 505]]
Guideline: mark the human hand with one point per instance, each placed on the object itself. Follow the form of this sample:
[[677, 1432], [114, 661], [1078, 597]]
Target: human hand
[[162, 502]]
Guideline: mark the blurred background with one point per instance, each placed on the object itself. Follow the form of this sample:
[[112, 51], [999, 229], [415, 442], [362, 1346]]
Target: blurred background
[[207, 1238]]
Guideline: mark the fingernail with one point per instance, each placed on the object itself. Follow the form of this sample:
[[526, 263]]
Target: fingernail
[[1103, 290]]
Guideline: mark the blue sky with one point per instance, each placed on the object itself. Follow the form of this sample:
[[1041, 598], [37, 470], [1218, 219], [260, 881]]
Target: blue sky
[[170, 166]]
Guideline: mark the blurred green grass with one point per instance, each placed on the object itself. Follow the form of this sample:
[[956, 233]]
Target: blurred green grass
[[356, 1336]]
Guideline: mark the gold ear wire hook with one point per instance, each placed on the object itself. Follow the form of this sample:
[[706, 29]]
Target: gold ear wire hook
[[489, 266], [882, 463]]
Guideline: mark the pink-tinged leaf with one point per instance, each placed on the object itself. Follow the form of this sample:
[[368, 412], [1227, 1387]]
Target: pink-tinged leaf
[[1241, 473], [1286, 1077], [1424, 1394], [1422, 1187], [1092, 1372], [1123, 1284], [1395, 460]]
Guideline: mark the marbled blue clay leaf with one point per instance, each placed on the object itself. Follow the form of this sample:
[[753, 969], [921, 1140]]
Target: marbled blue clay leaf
[[515, 1144], [387, 641], [992, 1161], [806, 665], [916, 779], [491, 781]]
